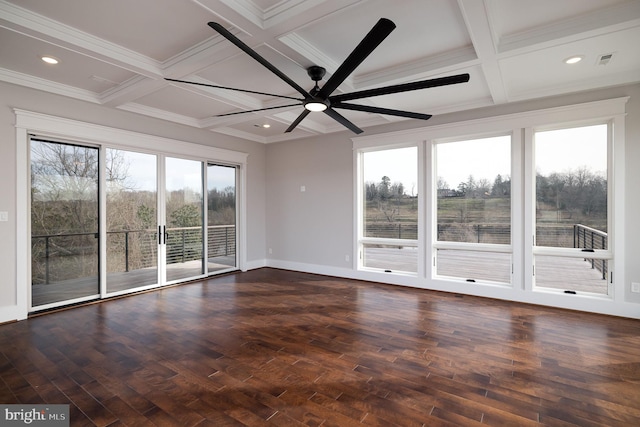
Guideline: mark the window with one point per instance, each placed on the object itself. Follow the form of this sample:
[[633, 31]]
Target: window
[[473, 227], [389, 235], [521, 206], [571, 209]]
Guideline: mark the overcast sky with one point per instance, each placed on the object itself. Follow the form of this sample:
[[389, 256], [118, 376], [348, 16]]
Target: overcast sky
[[556, 151]]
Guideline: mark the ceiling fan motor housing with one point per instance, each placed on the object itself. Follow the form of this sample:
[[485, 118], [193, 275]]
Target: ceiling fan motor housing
[[316, 72]]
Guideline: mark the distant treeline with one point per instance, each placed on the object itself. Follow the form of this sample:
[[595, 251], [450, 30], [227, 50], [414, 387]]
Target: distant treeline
[[580, 190]]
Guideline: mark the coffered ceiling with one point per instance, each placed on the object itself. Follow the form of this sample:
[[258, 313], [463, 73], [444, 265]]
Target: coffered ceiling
[[118, 53]]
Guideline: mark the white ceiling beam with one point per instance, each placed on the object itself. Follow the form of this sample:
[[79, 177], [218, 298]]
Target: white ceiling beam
[[476, 18]]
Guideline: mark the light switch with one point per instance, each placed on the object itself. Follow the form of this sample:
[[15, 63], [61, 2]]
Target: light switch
[[4, 216], [303, 188]]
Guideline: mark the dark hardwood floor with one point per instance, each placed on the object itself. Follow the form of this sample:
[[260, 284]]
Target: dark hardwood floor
[[272, 347]]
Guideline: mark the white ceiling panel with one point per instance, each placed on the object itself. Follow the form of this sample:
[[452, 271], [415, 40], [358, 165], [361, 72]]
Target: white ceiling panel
[[431, 28], [23, 55], [158, 29], [242, 71], [515, 16], [554, 75]]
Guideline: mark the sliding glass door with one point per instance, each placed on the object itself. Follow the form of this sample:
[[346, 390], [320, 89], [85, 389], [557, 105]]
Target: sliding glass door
[[221, 217], [153, 218], [65, 236], [183, 233], [132, 220]]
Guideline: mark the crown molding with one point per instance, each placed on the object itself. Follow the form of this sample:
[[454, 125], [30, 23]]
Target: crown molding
[[157, 113], [38, 83]]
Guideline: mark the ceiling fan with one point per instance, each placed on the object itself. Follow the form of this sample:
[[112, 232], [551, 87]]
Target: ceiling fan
[[320, 99]]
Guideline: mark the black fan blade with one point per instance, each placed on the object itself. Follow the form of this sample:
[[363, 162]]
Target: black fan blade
[[387, 90], [258, 109], [378, 33], [233, 88], [342, 120], [252, 53], [297, 121], [379, 110]]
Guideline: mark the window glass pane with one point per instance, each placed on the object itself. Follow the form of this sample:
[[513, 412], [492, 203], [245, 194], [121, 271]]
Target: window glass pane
[[132, 226], [221, 217], [391, 193], [474, 190], [185, 217], [571, 187], [64, 222], [474, 265], [574, 274], [392, 258]]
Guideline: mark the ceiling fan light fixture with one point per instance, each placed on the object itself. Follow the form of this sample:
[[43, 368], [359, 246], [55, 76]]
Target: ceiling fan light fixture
[[315, 106]]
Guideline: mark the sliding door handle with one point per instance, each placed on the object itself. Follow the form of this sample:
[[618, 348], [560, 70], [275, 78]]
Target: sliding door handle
[[166, 235]]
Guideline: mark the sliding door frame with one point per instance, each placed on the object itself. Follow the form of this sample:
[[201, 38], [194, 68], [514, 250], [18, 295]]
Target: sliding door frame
[[56, 128]]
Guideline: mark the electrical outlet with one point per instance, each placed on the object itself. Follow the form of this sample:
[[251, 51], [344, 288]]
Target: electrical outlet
[[346, 258], [635, 287], [270, 251], [4, 216]]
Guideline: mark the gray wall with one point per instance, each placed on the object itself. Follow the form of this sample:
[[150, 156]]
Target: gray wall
[[12, 96], [314, 226]]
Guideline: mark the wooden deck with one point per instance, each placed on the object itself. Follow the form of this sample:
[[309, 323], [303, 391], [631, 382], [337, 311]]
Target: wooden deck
[[280, 348], [552, 272]]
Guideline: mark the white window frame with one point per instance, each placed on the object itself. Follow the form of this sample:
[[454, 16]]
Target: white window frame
[[361, 240], [465, 246], [522, 125], [613, 197]]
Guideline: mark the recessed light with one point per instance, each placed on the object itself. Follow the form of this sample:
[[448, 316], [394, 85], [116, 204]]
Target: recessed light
[[574, 59], [50, 60], [264, 125]]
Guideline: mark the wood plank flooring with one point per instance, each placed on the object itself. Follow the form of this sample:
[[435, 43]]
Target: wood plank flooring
[[277, 348]]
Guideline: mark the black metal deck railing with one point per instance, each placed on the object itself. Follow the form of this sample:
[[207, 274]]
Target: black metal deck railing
[[589, 238], [61, 256]]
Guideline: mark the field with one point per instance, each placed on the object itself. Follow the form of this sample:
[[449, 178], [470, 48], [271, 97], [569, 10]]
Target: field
[[479, 220]]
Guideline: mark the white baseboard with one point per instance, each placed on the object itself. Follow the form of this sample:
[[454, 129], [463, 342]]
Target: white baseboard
[[12, 313], [255, 264]]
